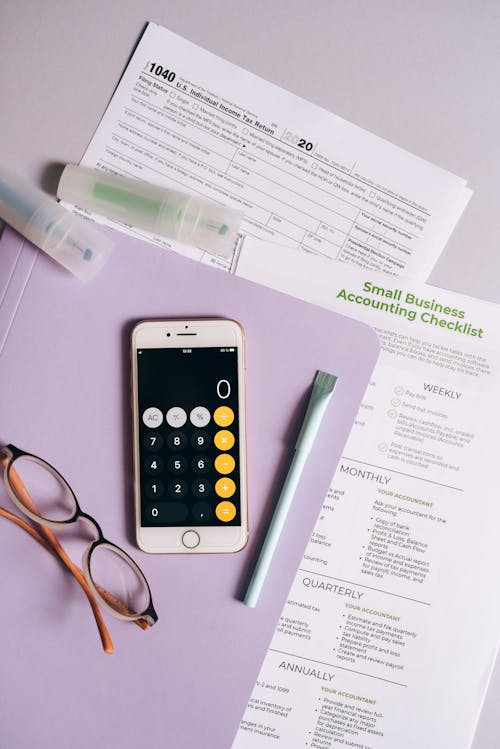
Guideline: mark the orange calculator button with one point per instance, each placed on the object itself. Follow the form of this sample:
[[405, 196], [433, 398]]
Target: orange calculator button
[[224, 463], [224, 439], [225, 488], [223, 416], [225, 511]]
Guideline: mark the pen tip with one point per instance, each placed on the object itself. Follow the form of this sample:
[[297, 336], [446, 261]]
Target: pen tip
[[325, 381]]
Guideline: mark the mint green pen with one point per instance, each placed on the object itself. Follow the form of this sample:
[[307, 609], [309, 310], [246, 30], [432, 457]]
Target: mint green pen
[[323, 386]]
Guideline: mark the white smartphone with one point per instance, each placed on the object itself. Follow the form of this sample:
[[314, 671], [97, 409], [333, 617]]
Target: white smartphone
[[188, 404]]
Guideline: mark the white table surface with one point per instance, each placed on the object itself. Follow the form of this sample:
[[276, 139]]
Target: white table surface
[[424, 75]]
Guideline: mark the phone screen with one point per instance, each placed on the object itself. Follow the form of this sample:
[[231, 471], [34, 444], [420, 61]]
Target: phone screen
[[189, 436]]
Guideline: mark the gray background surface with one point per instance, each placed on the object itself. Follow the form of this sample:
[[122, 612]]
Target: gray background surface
[[423, 75]]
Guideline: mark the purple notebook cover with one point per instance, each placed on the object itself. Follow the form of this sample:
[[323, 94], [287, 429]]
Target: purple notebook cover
[[65, 395]]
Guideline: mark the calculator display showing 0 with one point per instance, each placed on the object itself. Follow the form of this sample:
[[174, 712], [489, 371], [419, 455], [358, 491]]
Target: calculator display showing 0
[[188, 436]]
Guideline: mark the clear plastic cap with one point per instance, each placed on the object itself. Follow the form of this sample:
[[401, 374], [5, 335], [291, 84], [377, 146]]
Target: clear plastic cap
[[162, 211], [72, 241], [205, 224], [69, 239]]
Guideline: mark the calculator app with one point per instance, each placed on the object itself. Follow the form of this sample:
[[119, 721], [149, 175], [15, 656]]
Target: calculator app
[[189, 436]]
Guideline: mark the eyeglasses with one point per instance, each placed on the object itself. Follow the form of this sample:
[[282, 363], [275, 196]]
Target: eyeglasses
[[109, 574]]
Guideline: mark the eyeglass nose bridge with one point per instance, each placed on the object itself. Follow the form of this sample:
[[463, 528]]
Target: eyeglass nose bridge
[[80, 515]]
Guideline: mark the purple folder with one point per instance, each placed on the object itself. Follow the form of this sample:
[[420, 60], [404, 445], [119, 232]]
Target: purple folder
[[65, 395]]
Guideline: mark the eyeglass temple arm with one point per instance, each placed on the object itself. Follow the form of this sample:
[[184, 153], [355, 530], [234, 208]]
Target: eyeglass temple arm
[[107, 642], [28, 528]]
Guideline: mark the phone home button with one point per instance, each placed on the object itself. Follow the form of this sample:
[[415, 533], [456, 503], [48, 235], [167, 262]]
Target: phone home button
[[190, 539]]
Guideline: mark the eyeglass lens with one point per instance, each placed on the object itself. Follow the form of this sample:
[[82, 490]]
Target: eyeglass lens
[[42, 490], [113, 572]]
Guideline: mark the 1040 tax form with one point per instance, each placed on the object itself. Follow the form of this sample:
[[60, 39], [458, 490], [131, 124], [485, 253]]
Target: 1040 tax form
[[305, 178]]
